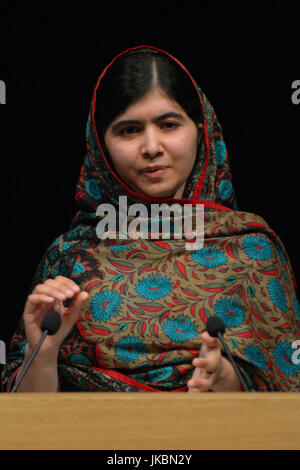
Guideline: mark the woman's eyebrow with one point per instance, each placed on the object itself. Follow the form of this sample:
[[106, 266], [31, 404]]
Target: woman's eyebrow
[[168, 115], [132, 122]]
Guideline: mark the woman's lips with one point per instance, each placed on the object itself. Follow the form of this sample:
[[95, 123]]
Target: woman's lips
[[155, 173]]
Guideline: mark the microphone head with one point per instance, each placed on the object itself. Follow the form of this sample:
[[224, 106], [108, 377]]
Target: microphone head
[[215, 325], [51, 322]]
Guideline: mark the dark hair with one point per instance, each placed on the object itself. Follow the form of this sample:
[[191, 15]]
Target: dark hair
[[134, 74]]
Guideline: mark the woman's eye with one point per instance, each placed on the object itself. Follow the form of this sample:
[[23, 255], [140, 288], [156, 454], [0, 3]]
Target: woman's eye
[[170, 125], [126, 131]]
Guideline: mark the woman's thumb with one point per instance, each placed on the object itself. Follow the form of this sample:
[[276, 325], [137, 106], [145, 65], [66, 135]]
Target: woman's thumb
[[73, 311]]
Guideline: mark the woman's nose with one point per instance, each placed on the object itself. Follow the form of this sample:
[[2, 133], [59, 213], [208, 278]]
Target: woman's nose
[[152, 145]]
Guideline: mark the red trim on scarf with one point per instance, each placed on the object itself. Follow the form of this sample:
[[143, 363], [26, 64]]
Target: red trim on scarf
[[198, 189], [134, 383], [12, 379]]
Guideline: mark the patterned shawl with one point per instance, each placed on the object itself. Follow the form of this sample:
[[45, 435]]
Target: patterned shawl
[[149, 299]]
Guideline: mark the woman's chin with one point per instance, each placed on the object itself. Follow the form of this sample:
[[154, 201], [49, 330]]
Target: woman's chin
[[160, 194]]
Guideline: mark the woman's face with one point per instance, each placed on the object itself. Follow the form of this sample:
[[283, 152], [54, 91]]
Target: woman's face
[[153, 145]]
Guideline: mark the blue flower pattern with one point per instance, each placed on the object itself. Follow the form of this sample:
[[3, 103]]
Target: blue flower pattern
[[210, 257], [225, 189], [105, 305], [93, 189], [130, 348], [256, 356], [180, 329], [283, 353], [278, 294], [158, 375], [154, 287], [231, 311], [257, 247], [220, 152], [297, 308]]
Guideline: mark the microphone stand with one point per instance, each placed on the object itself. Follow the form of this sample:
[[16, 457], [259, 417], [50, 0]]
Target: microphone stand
[[233, 362], [34, 353], [50, 324]]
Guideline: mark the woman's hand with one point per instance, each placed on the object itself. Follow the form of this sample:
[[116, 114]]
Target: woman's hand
[[50, 296], [212, 370]]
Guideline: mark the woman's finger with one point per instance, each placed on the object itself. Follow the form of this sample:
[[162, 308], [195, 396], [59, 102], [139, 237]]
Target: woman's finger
[[50, 290], [60, 283], [59, 307], [36, 299], [201, 384], [60, 292], [71, 314], [210, 342], [209, 363], [67, 283]]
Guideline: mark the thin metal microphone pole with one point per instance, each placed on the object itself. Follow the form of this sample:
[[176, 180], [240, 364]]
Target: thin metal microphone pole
[[233, 362], [34, 353]]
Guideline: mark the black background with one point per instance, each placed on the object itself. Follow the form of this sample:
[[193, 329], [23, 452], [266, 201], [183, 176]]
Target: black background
[[244, 56]]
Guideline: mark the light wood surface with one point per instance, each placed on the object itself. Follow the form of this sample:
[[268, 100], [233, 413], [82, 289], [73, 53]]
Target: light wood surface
[[149, 421]]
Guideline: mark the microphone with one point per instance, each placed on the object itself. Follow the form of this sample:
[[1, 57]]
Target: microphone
[[216, 328], [49, 326]]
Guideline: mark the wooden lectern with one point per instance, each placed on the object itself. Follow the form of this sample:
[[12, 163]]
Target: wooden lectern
[[149, 421]]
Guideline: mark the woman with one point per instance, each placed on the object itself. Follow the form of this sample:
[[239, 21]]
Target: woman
[[140, 305]]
